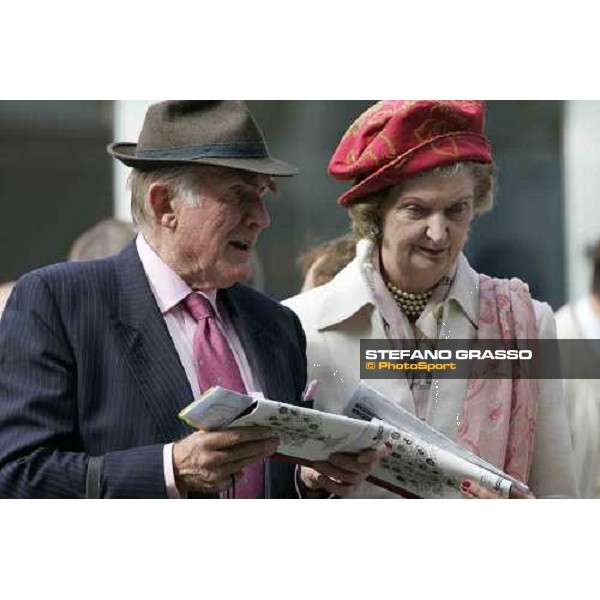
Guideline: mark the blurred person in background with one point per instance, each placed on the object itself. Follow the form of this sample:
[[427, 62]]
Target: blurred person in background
[[322, 263], [104, 239], [422, 171], [581, 321], [99, 357]]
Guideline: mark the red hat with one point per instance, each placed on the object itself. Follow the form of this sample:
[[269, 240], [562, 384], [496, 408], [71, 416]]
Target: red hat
[[398, 138]]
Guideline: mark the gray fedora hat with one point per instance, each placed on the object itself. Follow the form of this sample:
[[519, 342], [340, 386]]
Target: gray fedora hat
[[204, 132]]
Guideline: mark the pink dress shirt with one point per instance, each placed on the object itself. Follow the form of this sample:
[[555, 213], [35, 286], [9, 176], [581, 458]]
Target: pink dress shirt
[[169, 290]]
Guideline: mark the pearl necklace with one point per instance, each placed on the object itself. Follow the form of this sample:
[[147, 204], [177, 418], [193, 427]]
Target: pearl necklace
[[412, 305]]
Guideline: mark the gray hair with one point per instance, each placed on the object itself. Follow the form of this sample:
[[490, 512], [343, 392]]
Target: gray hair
[[367, 213], [182, 180]]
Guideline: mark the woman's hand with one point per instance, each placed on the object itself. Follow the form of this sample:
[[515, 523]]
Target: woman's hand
[[341, 474], [473, 490]]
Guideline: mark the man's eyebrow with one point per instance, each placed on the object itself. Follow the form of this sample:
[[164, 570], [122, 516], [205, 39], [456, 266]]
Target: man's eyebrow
[[263, 187], [463, 198], [263, 183]]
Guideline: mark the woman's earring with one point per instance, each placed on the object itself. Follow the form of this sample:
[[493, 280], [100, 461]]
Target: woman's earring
[[374, 233]]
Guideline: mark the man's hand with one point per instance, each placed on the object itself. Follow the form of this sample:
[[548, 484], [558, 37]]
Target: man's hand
[[341, 474], [209, 462]]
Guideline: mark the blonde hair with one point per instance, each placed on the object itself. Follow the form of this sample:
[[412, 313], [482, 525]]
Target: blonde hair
[[328, 259], [366, 214]]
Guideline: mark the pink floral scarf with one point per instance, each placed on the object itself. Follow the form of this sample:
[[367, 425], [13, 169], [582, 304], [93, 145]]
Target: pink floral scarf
[[499, 415]]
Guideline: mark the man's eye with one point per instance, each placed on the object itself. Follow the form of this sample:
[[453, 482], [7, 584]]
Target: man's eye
[[234, 196]]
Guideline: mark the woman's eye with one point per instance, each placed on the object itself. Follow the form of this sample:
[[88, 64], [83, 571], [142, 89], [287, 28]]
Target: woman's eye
[[457, 210], [414, 210]]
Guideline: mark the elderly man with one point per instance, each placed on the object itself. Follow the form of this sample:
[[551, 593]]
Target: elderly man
[[97, 358]]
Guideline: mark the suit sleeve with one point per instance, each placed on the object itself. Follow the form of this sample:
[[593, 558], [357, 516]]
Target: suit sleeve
[[41, 452]]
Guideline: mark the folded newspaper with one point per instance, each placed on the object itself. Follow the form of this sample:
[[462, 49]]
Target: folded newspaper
[[421, 463]]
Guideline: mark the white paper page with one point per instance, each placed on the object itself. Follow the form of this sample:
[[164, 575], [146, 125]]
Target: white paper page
[[430, 472], [314, 435], [366, 401], [305, 433], [215, 409]]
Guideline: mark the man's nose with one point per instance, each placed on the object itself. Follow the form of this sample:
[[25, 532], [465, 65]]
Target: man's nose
[[437, 228], [258, 214]]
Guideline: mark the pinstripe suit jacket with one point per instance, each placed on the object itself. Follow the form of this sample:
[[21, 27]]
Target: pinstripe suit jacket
[[87, 368]]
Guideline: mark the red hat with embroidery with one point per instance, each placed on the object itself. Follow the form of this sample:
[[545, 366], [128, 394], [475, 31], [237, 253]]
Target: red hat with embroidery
[[398, 138]]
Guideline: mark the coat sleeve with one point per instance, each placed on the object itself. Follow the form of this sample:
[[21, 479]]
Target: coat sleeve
[[41, 452], [553, 469]]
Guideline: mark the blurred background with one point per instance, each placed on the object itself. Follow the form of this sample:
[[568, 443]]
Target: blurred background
[[56, 180]]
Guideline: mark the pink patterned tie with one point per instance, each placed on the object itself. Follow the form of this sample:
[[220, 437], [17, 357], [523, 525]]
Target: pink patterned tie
[[215, 364]]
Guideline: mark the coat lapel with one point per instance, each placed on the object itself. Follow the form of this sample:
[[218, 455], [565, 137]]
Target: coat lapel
[[395, 389], [148, 348], [259, 343], [270, 366], [343, 300]]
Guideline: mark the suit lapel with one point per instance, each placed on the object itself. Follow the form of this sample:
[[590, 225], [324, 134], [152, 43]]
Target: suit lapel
[[259, 344], [269, 366], [148, 348]]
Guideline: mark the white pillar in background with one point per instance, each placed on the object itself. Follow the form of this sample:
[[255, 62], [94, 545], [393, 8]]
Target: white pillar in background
[[129, 118], [582, 190]]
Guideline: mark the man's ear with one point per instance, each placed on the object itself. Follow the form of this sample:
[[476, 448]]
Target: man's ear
[[162, 206]]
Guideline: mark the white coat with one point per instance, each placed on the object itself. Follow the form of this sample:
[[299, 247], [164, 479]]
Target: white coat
[[337, 315]]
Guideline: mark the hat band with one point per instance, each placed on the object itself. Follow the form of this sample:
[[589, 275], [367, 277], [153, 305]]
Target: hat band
[[216, 150]]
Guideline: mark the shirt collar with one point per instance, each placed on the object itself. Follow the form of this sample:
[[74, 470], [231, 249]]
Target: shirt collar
[[169, 289], [465, 289]]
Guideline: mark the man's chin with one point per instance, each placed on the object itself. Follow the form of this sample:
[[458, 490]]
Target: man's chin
[[219, 278], [238, 275]]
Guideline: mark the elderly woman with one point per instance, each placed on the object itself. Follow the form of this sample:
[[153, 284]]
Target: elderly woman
[[422, 171]]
